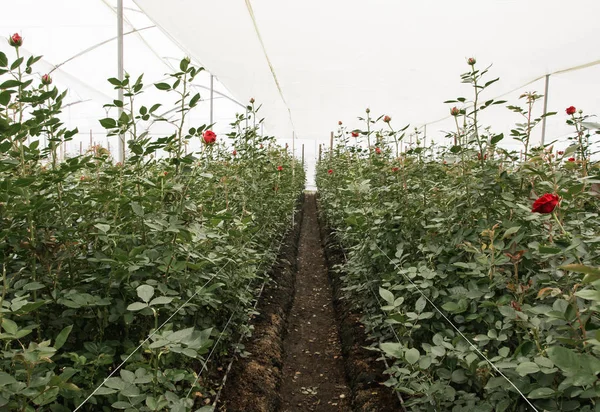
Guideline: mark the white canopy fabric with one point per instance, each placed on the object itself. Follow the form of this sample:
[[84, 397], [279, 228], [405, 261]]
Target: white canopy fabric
[[77, 40], [329, 60]]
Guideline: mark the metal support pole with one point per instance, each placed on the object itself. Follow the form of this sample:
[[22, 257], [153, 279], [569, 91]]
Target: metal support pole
[[212, 92], [545, 108], [425, 136], [302, 155], [331, 144], [120, 74]]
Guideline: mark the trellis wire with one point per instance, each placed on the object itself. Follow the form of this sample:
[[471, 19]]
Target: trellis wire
[[458, 331], [160, 327], [214, 404]]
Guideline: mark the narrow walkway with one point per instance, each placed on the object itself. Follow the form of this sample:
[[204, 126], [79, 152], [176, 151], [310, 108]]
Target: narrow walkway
[[313, 371]]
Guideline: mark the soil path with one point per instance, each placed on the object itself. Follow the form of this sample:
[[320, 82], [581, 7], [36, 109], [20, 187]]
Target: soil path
[[313, 368]]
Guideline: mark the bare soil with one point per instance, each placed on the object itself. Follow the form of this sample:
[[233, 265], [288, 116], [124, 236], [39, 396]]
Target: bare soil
[[307, 351], [313, 371]]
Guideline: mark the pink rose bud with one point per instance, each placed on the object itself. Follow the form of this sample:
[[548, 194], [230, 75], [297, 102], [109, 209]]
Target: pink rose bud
[[340, 122], [15, 40], [46, 80], [387, 119], [471, 61], [455, 111]]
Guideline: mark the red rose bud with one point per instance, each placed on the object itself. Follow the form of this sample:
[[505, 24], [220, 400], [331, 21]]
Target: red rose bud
[[354, 134], [377, 150], [252, 100], [15, 40], [330, 171], [234, 153], [165, 173], [455, 111], [209, 137], [395, 169], [46, 80], [82, 178], [571, 110], [560, 153], [471, 61], [340, 122], [280, 168], [545, 203], [571, 159], [387, 119]]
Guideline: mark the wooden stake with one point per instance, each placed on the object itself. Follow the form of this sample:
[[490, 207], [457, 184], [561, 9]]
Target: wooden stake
[[302, 154]]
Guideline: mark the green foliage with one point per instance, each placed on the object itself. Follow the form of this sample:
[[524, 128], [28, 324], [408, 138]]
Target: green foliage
[[455, 225], [99, 258]]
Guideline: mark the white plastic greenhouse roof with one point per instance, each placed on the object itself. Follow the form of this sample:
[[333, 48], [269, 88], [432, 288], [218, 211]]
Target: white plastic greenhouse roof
[[315, 62], [77, 40]]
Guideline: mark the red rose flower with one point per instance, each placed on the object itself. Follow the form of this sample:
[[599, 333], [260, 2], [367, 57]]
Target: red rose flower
[[545, 203], [330, 171], [234, 153], [455, 111], [46, 79], [395, 169], [571, 110], [280, 168], [377, 150], [560, 153], [209, 137], [354, 134], [340, 122], [387, 119], [571, 159], [15, 40], [165, 173]]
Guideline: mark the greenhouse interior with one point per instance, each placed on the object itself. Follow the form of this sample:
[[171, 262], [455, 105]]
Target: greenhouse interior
[[268, 206]]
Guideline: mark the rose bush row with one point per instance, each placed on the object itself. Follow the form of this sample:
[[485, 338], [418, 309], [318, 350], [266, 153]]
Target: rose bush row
[[156, 261], [505, 245]]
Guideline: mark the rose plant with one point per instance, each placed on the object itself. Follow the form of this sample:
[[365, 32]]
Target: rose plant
[[506, 247], [155, 261]]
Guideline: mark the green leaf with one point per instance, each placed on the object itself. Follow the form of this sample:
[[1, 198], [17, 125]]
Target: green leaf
[[162, 86], [108, 123], [102, 227], [564, 358], [497, 138], [137, 209], [145, 292], [541, 393], [6, 379], [135, 306], [161, 300], [450, 306], [3, 60], [511, 231], [392, 349], [588, 270], [62, 337], [8, 84], [526, 368], [589, 294], [412, 356], [386, 295], [9, 326]]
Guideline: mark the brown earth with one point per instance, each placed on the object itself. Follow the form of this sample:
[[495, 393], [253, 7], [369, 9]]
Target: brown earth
[[307, 349], [313, 372], [365, 373]]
